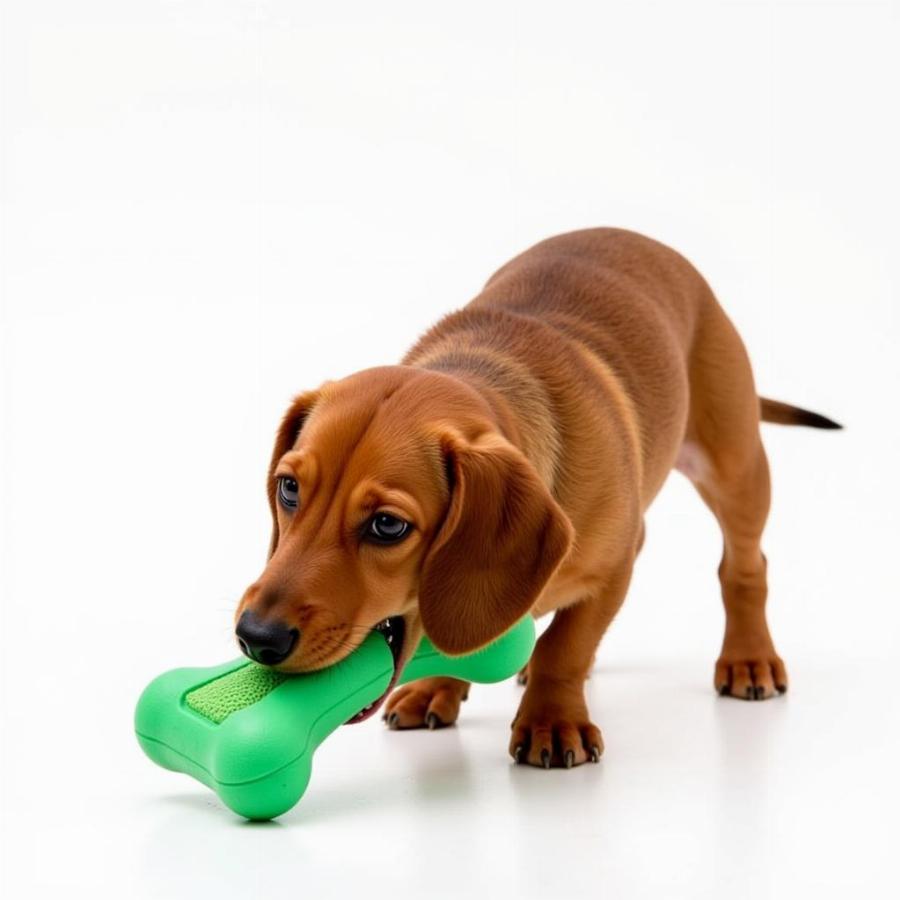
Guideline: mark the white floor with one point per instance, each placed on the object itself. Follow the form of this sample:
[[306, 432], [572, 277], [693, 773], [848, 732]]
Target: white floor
[[696, 796]]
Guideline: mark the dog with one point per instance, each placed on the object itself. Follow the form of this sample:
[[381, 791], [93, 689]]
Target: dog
[[504, 469]]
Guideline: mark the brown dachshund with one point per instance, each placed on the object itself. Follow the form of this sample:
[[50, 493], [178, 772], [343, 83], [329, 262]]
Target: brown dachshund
[[504, 468]]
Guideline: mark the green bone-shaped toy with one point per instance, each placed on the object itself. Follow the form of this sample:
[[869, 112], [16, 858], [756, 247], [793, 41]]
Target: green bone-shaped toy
[[249, 732]]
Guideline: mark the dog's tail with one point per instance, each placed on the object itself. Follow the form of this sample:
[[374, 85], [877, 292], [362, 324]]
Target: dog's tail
[[785, 414]]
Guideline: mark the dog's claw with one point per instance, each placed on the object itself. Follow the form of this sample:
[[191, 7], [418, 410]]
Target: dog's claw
[[781, 688], [432, 721], [545, 758], [724, 689], [570, 758], [519, 753], [759, 692], [595, 754], [393, 719]]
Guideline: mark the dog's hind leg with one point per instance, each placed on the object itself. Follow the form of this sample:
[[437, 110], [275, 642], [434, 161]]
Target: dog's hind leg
[[724, 457]]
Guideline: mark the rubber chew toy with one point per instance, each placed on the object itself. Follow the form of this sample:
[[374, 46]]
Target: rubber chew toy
[[250, 732]]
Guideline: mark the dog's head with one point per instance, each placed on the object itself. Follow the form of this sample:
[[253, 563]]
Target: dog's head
[[396, 506]]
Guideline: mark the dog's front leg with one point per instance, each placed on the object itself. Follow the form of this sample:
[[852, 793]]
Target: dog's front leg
[[553, 726]]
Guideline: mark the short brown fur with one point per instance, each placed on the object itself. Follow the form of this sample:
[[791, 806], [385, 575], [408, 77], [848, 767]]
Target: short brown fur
[[524, 437]]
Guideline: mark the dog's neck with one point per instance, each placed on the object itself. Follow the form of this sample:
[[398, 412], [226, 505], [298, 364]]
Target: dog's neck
[[520, 402]]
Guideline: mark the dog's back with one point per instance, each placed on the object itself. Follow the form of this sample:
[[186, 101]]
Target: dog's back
[[631, 303]]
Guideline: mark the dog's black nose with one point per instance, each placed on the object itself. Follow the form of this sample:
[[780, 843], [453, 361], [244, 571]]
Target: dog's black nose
[[266, 642]]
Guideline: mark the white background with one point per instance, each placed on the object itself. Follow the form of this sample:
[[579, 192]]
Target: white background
[[209, 206]]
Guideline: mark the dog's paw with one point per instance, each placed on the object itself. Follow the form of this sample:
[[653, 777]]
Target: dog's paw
[[550, 732], [750, 676], [426, 703]]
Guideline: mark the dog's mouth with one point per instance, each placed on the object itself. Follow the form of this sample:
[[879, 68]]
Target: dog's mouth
[[393, 630]]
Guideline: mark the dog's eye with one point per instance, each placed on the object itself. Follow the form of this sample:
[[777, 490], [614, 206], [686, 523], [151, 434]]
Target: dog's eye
[[287, 492], [386, 529]]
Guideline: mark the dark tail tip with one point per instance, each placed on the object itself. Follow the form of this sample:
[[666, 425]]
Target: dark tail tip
[[814, 420], [785, 414]]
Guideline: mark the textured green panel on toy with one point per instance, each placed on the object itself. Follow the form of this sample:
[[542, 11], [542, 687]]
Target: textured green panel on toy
[[237, 690], [249, 733]]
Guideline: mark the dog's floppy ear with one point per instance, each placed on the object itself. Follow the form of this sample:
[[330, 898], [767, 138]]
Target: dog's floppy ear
[[290, 427], [502, 538]]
